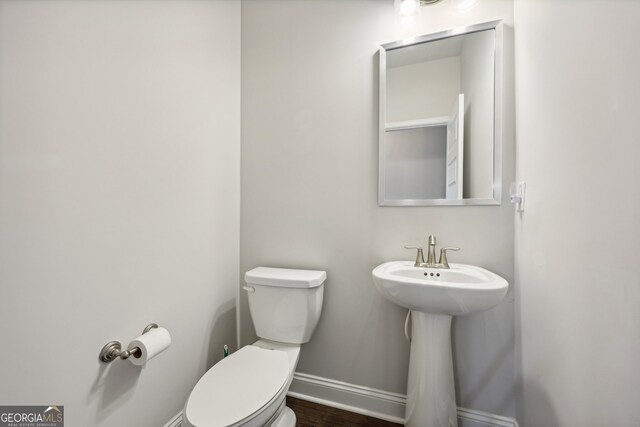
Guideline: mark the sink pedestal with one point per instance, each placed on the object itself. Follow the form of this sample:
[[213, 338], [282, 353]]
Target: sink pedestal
[[431, 398], [433, 296]]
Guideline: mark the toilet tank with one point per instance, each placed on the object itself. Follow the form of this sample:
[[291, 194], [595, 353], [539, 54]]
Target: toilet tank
[[285, 304]]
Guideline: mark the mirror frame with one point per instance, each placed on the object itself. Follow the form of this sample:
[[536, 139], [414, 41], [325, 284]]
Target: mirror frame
[[497, 114]]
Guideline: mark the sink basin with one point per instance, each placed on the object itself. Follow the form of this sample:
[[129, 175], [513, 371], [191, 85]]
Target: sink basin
[[462, 289]]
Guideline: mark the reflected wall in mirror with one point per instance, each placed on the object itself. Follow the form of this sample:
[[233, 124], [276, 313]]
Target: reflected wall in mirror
[[439, 104]]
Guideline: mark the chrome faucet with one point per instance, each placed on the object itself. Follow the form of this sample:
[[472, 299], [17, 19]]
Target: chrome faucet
[[431, 255]]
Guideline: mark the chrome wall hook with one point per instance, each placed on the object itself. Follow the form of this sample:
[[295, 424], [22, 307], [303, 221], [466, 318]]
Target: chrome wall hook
[[113, 349]]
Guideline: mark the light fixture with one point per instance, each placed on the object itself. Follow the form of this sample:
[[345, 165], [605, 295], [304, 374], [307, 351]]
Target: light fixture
[[411, 8], [465, 5], [407, 8]]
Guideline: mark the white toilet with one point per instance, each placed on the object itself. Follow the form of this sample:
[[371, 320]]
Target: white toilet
[[249, 387]]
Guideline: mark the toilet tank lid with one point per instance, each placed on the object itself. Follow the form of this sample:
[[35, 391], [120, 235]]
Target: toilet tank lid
[[285, 277]]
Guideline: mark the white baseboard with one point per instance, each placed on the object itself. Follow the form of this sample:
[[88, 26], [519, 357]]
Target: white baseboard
[[350, 397], [175, 421], [377, 403], [473, 418], [369, 401]]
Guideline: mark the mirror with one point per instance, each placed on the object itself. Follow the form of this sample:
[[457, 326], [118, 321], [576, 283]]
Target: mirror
[[440, 99]]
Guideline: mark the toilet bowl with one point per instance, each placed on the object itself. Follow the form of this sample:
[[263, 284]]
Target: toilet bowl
[[249, 387]]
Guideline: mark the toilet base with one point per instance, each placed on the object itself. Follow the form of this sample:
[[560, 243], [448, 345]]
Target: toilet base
[[286, 418]]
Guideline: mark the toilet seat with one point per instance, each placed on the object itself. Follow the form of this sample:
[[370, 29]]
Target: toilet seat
[[237, 387]]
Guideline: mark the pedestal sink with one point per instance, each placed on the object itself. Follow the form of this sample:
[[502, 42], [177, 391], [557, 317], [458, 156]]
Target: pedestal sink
[[434, 295]]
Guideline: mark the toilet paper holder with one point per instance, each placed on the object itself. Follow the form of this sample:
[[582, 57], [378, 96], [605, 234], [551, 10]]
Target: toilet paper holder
[[113, 349]]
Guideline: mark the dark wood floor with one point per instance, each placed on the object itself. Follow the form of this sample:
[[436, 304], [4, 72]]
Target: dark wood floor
[[310, 414]]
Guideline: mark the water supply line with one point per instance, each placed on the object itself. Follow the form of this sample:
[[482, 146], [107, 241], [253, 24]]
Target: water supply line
[[406, 326]]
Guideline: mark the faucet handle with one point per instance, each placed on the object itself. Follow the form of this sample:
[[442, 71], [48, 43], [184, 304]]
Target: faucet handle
[[443, 256], [419, 255]]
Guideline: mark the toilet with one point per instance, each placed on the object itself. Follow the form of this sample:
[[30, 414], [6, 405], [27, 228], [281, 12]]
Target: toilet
[[248, 388]]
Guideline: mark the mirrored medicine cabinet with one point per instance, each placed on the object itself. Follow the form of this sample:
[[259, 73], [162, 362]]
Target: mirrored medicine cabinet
[[440, 108]]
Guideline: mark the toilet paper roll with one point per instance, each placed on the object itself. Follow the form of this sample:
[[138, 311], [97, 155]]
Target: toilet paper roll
[[150, 344]]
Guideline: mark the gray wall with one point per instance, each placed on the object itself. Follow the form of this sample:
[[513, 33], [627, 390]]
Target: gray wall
[[309, 192], [415, 163], [408, 89], [578, 242], [477, 74], [119, 200]]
